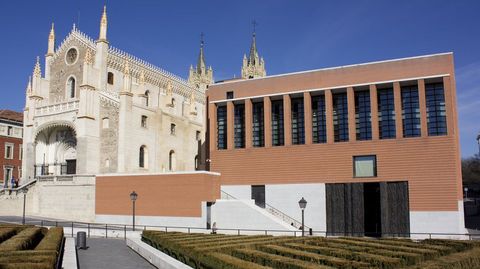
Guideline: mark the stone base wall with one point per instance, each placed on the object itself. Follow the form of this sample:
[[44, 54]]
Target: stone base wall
[[66, 198]]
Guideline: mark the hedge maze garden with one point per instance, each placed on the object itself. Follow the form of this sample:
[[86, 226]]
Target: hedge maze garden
[[29, 247], [230, 251]]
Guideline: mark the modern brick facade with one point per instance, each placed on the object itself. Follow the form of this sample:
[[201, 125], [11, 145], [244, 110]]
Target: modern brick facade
[[11, 124], [423, 152]]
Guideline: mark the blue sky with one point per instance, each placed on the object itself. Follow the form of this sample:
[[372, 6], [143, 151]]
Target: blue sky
[[291, 36]]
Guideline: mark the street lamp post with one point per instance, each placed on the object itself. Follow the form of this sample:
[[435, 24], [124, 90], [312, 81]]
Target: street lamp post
[[133, 197], [303, 203], [24, 191]]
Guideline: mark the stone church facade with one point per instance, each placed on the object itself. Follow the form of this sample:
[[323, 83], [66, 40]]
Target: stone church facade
[[98, 110]]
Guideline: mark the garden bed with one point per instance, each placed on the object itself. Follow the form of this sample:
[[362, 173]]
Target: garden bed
[[25, 247], [230, 251]]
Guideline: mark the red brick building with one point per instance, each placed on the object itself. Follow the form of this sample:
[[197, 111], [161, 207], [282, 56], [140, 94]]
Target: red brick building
[[11, 133]]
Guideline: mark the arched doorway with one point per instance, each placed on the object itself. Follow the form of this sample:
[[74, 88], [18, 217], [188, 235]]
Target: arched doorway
[[56, 150]]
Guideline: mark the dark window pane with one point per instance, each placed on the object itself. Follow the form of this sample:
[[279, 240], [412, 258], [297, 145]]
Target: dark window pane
[[319, 127], [222, 127], [410, 112], [363, 123], [258, 125], [340, 117], [386, 114], [239, 126], [277, 123], [436, 111], [298, 123]]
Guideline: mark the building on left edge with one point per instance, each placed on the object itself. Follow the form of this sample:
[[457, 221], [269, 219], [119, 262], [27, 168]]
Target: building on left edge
[[11, 153]]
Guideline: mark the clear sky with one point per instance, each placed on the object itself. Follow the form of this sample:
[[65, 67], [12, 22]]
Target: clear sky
[[291, 36]]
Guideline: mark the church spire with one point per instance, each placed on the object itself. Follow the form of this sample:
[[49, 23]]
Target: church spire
[[51, 42], [201, 76], [103, 25], [253, 47], [201, 66], [253, 66]]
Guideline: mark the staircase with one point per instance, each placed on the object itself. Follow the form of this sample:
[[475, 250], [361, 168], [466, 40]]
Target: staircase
[[273, 211]]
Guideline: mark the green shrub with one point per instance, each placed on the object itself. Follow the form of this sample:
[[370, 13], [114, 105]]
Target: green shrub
[[461, 260], [275, 261], [25, 239], [444, 250], [225, 261], [6, 233], [52, 240], [312, 257], [425, 252], [406, 257], [372, 259], [224, 241]]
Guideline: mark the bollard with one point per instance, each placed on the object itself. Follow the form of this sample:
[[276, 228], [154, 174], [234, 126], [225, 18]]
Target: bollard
[[81, 240]]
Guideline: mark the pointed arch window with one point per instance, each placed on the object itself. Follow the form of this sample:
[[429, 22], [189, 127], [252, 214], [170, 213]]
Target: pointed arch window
[[147, 96], [171, 161], [110, 78], [142, 158], [71, 87]]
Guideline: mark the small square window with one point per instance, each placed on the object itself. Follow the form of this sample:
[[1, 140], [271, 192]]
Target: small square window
[[10, 130], [144, 121], [365, 166], [229, 95]]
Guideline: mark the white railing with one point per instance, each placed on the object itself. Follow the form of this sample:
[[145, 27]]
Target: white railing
[[57, 108]]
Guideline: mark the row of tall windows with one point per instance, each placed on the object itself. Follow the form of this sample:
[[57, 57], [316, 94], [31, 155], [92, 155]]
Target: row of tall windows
[[411, 120]]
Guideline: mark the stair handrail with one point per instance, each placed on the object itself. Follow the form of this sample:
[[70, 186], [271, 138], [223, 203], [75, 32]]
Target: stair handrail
[[274, 211]]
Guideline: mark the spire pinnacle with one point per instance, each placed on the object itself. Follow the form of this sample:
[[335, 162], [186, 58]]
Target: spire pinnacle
[[201, 57], [253, 47], [51, 41], [29, 85], [103, 25], [37, 71]]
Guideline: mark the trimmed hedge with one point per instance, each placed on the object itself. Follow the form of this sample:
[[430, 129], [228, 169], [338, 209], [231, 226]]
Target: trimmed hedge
[[461, 260], [425, 252], [17, 253], [25, 239], [226, 261], [231, 251], [6, 233], [312, 257], [52, 240], [275, 261], [407, 257], [372, 259]]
